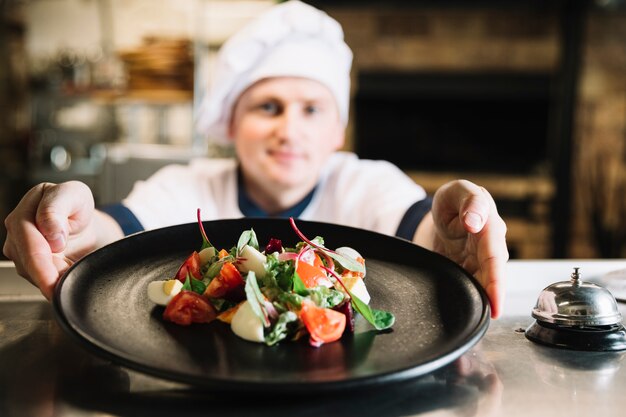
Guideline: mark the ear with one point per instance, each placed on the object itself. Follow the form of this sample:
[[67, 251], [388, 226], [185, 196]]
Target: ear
[[232, 128], [340, 137]]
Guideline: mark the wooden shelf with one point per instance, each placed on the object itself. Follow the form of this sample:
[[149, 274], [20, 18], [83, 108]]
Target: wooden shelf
[[145, 96]]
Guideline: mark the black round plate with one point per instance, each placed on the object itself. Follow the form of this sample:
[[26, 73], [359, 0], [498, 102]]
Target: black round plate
[[440, 310]]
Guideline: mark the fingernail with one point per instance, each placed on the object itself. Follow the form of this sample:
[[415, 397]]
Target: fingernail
[[56, 240], [473, 220]]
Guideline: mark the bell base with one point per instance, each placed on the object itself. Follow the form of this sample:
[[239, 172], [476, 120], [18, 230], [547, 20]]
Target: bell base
[[597, 338]]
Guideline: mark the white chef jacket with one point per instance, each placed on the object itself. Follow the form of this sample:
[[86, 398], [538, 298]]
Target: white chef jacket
[[368, 194]]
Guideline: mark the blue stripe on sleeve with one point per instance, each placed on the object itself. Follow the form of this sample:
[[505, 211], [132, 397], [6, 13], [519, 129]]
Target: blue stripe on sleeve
[[124, 217], [412, 218]]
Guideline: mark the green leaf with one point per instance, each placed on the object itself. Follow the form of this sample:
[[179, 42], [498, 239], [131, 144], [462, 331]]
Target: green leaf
[[298, 285], [255, 298], [278, 273], [380, 319], [187, 283], [326, 297], [383, 319], [214, 269], [195, 285], [290, 299], [281, 328], [346, 261], [248, 237]]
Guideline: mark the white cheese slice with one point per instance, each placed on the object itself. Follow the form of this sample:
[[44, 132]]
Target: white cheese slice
[[359, 290], [252, 260], [246, 324], [206, 254]]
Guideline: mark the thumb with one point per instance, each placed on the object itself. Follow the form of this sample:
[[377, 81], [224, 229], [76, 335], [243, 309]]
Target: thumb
[[63, 210], [476, 209]]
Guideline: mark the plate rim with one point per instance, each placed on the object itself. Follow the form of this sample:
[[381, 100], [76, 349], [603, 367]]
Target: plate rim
[[408, 373]]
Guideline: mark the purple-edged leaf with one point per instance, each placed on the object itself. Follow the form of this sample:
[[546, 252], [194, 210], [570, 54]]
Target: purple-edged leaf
[[345, 261]]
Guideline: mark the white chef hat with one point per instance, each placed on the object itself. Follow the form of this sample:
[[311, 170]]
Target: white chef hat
[[291, 39]]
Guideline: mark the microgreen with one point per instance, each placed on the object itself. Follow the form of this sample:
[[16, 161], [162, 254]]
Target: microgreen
[[345, 261], [248, 237], [380, 319], [195, 285], [256, 298], [205, 240]]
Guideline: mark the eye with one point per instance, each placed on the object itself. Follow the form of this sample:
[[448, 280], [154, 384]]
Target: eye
[[269, 107], [312, 109]]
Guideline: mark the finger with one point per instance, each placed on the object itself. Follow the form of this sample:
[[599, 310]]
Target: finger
[[63, 211], [35, 261], [493, 256], [476, 208], [493, 274], [27, 211], [480, 217]]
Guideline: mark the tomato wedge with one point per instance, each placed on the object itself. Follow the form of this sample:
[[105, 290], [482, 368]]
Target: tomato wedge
[[190, 266], [312, 276], [229, 284], [189, 307], [324, 325]]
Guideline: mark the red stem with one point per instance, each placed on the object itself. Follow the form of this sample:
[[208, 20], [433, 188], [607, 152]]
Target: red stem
[[304, 238], [204, 236]]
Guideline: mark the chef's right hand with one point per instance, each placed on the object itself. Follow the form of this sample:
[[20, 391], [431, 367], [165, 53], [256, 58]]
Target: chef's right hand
[[51, 227]]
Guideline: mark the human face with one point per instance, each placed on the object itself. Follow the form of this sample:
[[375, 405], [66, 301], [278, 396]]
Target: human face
[[284, 130]]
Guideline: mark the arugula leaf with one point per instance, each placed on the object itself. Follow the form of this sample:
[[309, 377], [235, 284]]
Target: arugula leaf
[[214, 269], [187, 284], [248, 237], [346, 261], [195, 285], [380, 319], [256, 298], [198, 286]]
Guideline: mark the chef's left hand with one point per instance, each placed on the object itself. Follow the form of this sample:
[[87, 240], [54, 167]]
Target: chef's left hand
[[469, 231]]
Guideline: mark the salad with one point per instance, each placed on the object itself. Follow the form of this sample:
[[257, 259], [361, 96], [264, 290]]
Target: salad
[[271, 293]]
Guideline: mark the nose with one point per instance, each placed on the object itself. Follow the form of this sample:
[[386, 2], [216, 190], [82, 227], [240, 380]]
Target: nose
[[288, 125]]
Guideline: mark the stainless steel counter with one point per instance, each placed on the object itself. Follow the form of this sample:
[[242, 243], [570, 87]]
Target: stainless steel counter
[[45, 373]]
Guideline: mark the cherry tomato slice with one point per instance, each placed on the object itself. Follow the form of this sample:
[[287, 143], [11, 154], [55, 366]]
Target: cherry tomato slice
[[189, 307], [324, 325], [228, 284], [190, 266], [312, 276]]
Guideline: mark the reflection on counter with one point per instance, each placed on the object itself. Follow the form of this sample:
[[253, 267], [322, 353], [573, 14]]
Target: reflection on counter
[[47, 374]]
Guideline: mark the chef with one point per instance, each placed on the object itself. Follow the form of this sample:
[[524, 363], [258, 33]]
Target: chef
[[280, 96]]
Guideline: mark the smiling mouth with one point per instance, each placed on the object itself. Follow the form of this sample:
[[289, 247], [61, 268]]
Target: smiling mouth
[[285, 156]]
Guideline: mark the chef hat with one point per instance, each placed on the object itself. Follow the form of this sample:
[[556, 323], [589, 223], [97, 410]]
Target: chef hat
[[291, 39]]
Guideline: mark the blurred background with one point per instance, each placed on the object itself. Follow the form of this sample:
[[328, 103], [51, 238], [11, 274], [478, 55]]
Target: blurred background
[[527, 98]]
